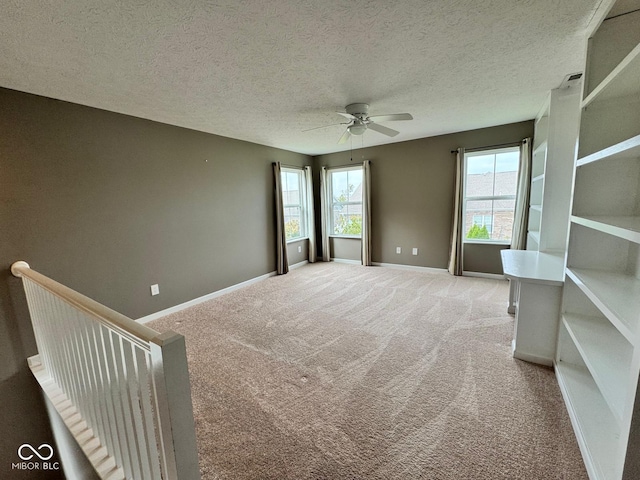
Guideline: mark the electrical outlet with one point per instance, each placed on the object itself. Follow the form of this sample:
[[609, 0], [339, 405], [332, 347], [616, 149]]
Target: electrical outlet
[[155, 289], [398, 249], [299, 249], [415, 251]]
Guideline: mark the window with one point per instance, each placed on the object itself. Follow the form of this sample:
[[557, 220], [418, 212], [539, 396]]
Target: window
[[345, 185], [490, 184], [483, 221], [293, 200]]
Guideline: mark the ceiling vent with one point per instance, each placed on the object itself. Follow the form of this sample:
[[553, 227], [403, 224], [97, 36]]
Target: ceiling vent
[[572, 80]]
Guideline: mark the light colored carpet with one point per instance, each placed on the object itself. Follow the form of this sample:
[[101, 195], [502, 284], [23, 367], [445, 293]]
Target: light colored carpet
[[338, 371]]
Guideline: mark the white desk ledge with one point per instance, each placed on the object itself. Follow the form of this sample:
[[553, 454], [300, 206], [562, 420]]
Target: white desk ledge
[[533, 267]]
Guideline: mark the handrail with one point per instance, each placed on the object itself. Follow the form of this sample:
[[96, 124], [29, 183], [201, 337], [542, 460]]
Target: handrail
[[123, 325], [120, 387]]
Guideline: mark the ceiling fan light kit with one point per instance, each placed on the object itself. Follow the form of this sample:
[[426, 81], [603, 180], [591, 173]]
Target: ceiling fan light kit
[[357, 128], [360, 121]]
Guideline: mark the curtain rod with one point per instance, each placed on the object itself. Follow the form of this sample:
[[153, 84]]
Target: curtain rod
[[294, 166], [345, 165], [488, 147], [332, 166]]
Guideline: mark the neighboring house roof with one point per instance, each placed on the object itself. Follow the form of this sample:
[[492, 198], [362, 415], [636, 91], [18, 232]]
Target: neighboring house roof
[[482, 184]]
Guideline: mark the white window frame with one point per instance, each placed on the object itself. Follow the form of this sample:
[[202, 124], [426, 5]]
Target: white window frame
[[478, 153], [302, 184], [330, 172]]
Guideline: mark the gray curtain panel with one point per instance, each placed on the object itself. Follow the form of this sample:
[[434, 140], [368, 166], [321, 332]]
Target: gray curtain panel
[[455, 254], [521, 217], [366, 213], [282, 263], [311, 215], [325, 205]]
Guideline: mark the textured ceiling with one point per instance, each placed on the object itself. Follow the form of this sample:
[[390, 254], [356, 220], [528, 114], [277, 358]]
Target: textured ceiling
[[263, 71]]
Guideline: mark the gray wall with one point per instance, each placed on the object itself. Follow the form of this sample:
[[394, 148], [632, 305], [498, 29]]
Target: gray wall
[[346, 248], [109, 204], [293, 256], [412, 195], [483, 258]]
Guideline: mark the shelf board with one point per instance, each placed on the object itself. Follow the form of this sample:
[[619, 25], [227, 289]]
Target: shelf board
[[541, 132], [627, 227], [535, 235], [595, 427], [540, 147], [628, 149], [616, 295], [623, 80], [532, 244], [607, 355], [538, 178]]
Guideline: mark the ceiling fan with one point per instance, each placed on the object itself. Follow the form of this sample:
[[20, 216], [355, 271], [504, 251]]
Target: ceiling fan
[[360, 121]]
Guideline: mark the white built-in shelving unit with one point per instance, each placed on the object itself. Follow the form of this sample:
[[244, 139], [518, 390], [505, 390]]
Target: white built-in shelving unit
[[598, 355], [538, 163], [554, 143], [536, 275]]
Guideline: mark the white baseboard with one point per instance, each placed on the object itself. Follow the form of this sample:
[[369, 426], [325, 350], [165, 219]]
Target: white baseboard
[[224, 291], [527, 357], [410, 267], [494, 276], [298, 265], [346, 260], [209, 296]]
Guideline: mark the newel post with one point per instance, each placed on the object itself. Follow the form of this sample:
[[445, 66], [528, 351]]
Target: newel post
[[174, 407]]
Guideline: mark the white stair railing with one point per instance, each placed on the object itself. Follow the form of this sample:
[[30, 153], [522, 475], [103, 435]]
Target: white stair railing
[[121, 388]]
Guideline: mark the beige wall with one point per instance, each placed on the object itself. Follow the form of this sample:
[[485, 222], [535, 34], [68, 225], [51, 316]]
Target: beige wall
[[109, 204], [412, 194], [345, 248], [293, 256], [483, 258]]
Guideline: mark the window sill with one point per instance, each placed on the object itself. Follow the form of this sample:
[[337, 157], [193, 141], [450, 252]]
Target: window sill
[[353, 237], [294, 240], [486, 242]]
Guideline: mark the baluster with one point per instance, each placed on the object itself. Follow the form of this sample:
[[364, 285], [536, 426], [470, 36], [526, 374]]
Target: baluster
[[94, 376], [128, 439], [80, 362], [138, 444], [113, 393], [103, 387], [143, 360]]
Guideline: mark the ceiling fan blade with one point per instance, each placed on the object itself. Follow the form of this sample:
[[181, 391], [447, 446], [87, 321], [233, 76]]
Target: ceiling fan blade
[[382, 129], [324, 126], [392, 117], [345, 136], [347, 115]]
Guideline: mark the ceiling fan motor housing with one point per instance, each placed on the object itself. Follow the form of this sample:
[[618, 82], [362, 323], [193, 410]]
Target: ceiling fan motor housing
[[360, 110]]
